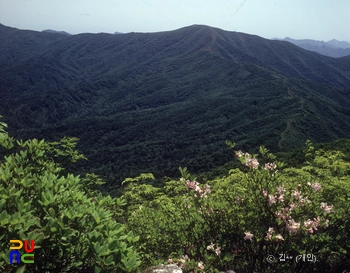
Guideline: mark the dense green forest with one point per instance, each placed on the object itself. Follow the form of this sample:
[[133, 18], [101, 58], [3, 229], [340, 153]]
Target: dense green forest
[[139, 149], [242, 220], [151, 102]]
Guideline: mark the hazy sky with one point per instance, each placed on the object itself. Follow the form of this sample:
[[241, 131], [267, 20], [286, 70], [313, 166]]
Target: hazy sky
[[299, 19]]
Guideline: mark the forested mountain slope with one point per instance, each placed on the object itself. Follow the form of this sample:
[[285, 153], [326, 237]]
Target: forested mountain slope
[[150, 102]]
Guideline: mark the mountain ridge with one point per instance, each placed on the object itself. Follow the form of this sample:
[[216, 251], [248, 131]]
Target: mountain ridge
[[237, 39]]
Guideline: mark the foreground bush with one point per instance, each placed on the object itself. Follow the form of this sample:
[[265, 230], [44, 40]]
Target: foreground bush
[[262, 217], [73, 226]]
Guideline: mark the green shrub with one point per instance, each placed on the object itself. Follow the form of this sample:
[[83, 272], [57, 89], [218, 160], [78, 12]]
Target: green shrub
[[74, 226], [250, 219]]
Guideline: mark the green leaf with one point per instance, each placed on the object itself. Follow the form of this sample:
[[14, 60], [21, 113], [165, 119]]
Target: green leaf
[[21, 269], [113, 245], [96, 217]]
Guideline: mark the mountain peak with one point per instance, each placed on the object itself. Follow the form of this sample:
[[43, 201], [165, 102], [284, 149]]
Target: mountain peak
[[339, 44], [55, 31]]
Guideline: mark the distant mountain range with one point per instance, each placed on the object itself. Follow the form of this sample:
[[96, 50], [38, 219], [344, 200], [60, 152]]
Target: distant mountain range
[[151, 102], [332, 48]]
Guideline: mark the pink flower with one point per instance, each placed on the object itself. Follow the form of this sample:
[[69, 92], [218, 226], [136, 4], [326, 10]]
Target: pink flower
[[265, 193], [326, 224], [248, 236], [192, 185], [296, 194], [211, 246], [292, 206], [205, 191], [269, 233], [292, 226], [218, 251], [272, 200], [283, 214], [281, 190], [170, 261], [211, 211], [200, 265], [281, 198], [310, 230], [181, 261], [239, 153], [279, 237], [315, 186], [326, 208], [311, 226], [279, 214], [304, 201], [270, 166], [252, 163]]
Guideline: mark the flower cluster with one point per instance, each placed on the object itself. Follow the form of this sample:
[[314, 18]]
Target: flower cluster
[[326, 208], [297, 195], [194, 185], [272, 199], [270, 235], [285, 213], [249, 161], [312, 225], [270, 166], [217, 250], [315, 186], [292, 226]]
